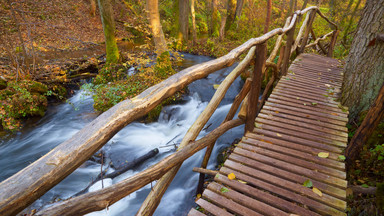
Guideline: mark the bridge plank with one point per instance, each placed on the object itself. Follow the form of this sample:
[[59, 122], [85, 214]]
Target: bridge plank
[[281, 153], [194, 212], [291, 145], [211, 208]]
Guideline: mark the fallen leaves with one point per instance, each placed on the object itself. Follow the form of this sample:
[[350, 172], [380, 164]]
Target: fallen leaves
[[215, 86], [323, 154], [341, 157], [231, 176], [308, 183], [279, 135], [224, 190], [317, 191]]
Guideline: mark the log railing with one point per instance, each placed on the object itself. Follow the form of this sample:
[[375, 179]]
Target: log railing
[[23, 188]]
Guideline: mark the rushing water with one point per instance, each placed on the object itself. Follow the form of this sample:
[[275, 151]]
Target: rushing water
[[63, 121]]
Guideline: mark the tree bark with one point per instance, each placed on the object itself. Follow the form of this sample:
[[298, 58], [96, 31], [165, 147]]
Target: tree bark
[[157, 31], [231, 12], [222, 25], [183, 22], [239, 9], [194, 34], [106, 14], [365, 130], [268, 16], [363, 72], [214, 19]]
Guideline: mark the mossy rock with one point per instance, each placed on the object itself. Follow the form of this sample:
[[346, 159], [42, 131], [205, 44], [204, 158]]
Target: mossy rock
[[37, 87], [3, 83]]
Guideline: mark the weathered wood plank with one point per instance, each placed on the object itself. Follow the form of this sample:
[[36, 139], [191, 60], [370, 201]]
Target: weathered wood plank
[[303, 197], [292, 145], [336, 138], [313, 174], [284, 174], [211, 208], [260, 194], [331, 132], [194, 212], [299, 140], [246, 201], [298, 154], [229, 204]]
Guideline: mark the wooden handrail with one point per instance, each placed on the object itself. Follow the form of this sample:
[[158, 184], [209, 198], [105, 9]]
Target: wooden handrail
[[101, 199], [17, 192]]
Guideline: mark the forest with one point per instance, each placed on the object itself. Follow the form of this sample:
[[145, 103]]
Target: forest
[[120, 51]]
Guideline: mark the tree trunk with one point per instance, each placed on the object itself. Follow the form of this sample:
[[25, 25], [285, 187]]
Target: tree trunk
[[183, 22], [157, 31], [214, 19], [194, 34], [268, 16], [106, 14], [231, 11], [363, 72], [364, 132], [222, 25], [239, 8]]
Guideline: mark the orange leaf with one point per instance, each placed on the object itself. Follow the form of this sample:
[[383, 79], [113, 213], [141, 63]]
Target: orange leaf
[[231, 176], [335, 114]]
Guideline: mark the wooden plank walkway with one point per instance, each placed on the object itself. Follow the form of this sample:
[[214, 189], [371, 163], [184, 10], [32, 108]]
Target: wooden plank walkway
[[300, 119]]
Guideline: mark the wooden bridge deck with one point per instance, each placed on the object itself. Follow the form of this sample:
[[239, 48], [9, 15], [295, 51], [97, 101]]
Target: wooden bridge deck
[[299, 120]]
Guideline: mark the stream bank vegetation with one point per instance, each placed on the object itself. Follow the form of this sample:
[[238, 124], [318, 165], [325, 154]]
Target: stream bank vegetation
[[46, 47]]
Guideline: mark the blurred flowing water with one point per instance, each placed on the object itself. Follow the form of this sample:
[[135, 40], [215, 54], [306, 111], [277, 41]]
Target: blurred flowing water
[[62, 121]]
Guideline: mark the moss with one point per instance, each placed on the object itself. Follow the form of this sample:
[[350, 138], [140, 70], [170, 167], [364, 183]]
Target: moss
[[37, 87], [19, 100]]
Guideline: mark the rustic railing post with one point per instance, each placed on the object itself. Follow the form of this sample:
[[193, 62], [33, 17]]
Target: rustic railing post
[[288, 47], [307, 30], [254, 93], [319, 44], [333, 42]]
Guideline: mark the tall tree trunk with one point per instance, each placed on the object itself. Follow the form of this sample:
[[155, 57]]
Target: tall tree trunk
[[222, 25], [364, 69], [231, 11], [268, 17], [183, 22], [106, 14], [332, 12], [194, 34], [214, 19], [157, 31], [239, 9], [346, 12]]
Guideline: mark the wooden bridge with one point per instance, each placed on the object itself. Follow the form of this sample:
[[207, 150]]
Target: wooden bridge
[[297, 137], [300, 120]]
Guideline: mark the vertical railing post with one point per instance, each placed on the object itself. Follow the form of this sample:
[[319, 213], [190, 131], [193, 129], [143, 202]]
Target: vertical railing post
[[333, 42], [254, 92], [307, 31], [288, 47]]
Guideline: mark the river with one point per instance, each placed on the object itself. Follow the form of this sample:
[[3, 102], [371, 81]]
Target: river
[[62, 121]]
